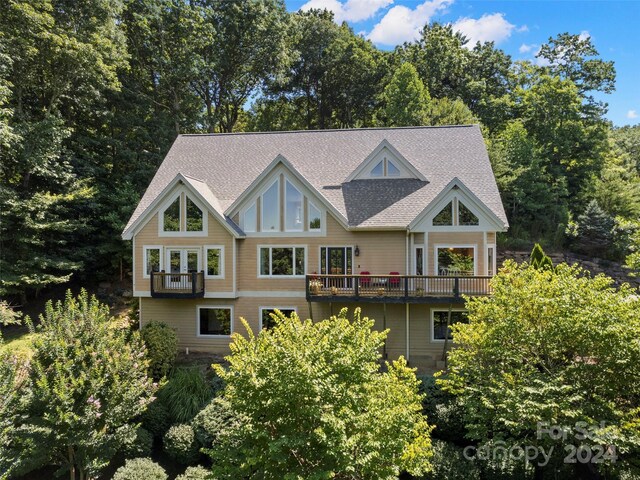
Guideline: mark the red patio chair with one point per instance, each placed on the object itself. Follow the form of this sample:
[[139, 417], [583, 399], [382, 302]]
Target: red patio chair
[[365, 281], [394, 282]]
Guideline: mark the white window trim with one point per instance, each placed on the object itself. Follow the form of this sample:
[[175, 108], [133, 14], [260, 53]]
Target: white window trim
[[197, 248], [225, 307], [205, 261], [486, 259], [183, 233], [453, 217], [260, 310], [415, 258], [432, 316], [301, 229], [270, 247], [144, 258], [447, 245], [262, 209]]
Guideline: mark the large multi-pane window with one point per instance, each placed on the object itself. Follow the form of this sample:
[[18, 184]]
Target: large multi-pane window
[[171, 217], [214, 321], [439, 322], [293, 216], [446, 217], [455, 261], [282, 261]]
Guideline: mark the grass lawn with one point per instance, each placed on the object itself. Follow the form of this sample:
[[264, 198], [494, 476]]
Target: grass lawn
[[17, 340]]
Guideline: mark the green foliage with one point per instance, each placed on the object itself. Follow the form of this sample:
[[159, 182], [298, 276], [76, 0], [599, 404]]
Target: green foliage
[[530, 354], [443, 410], [185, 393], [450, 464], [538, 259], [310, 399], [87, 379], [138, 446], [406, 98], [212, 420], [140, 469], [195, 473], [162, 348], [443, 111], [156, 419], [633, 259], [180, 444], [8, 316], [594, 233]]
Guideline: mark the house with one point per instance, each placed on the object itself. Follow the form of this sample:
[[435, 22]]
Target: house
[[399, 221]]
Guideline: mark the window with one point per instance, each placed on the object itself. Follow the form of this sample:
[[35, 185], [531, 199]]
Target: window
[[455, 261], [282, 261], [385, 168], [215, 261], [194, 217], [172, 222], [392, 170], [378, 170], [419, 261], [466, 216], [439, 322], [215, 321], [445, 217], [251, 218], [266, 321], [172, 217], [152, 259], [491, 260], [293, 220], [315, 223], [271, 209]]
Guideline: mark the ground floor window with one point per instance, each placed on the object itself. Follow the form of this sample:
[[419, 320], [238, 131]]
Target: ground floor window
[[266, 321], [215, 321], [439, 322], [455, 261]]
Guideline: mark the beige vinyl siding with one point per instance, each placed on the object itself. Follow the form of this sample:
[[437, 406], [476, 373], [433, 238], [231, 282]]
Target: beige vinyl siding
[[217, 235], [380, 252]]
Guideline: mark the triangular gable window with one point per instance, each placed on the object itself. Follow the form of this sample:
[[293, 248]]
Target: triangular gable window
[[392, 170], [466, 216], [194, 217], [378, 170], [445, 217], [172, 217]]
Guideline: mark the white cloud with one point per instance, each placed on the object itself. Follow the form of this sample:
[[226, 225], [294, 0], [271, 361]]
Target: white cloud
[[488, 28], [522, 29], [351, 10], [584, 35], [402, 24], [524, 48], [632, 114]]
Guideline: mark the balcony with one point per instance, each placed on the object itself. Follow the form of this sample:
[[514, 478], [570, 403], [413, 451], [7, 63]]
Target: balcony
[[395, 288], [177, 285]]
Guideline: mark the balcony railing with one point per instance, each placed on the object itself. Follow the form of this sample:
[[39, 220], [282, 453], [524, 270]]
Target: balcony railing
[[395, 288], [177, 285]]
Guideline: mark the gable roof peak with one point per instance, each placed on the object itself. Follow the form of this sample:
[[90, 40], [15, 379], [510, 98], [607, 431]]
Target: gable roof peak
[[403, 167]]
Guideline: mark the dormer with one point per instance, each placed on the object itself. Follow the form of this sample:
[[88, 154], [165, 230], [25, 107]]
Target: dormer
[[385, 162]]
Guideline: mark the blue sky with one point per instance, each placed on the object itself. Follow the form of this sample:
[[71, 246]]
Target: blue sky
[[518, 27]]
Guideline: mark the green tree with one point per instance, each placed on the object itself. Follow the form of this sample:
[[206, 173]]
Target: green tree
[[443, 111], [406, 98], [594, 234], [311, 400], [633, 259], [539, 259], [85, 382], [530, 353]]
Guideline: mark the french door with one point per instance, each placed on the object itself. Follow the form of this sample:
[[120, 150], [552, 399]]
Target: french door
[[181, 262], [337, 261]]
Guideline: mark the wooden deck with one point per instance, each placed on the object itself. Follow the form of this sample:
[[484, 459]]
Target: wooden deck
[[177, 285], [395, 288]]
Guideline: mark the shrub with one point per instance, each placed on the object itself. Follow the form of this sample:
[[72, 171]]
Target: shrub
[[449, 463], [443, 410], [156, 419], [162, 348], [212, 420], [195, 473], [139, 446], [180, 444], [140, 469], [185, 393]]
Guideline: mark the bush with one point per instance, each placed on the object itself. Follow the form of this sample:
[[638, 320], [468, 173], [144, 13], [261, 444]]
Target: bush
[[195, 473], [212, 420], [185, 393], [180, 444], [443, 410], [156, 419], [162, 348], [449, 463], [140, 469], [139, 446]]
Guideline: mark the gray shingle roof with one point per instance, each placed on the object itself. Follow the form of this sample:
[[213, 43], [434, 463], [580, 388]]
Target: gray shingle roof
[[229, 163]]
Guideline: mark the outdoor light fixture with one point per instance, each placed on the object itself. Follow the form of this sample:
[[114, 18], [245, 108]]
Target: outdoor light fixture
[[356, 251]]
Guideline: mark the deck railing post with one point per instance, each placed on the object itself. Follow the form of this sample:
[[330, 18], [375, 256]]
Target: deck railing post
[[456, 287], [406, 286], [306, 286], [356, 286], [194, 279], [152, 287]]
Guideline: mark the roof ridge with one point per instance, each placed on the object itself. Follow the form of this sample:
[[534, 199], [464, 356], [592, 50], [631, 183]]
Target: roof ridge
[[328, 130]]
